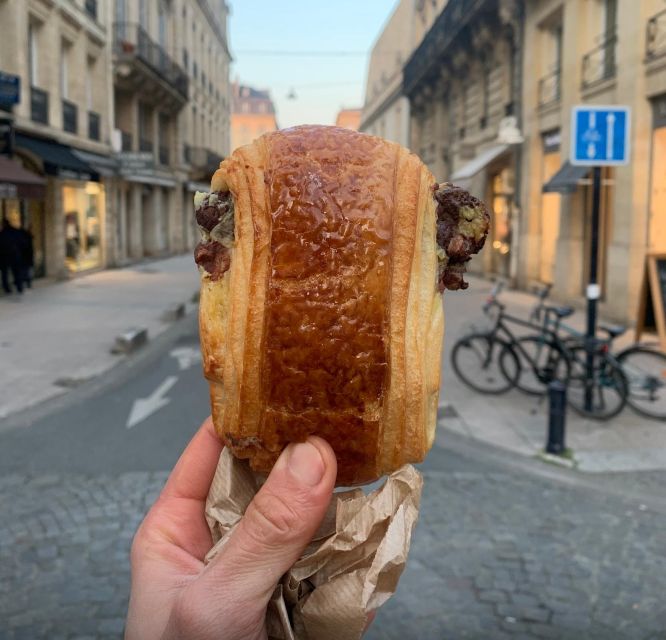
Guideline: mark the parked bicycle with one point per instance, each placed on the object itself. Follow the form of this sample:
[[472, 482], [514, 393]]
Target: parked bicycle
[[497, 360], [642, 363]]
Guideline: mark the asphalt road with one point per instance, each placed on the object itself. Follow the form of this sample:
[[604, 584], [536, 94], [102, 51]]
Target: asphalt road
[[505, 547]]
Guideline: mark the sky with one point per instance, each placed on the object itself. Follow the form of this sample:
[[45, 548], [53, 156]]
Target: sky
[[323, 84]]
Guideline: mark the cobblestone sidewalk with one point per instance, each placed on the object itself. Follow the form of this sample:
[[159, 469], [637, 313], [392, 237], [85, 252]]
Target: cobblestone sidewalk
[[497, 554]]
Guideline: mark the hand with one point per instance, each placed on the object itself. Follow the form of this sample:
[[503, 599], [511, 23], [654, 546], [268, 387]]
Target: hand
[[174, 595]]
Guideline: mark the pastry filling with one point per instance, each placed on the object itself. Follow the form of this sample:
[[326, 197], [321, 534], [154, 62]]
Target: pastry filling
[[215, 218], [462, 226]]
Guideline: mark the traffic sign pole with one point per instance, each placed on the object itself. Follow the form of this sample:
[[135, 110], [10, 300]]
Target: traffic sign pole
[[592, 288]]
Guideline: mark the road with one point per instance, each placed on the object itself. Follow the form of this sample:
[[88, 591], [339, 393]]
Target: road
[[505, 548]]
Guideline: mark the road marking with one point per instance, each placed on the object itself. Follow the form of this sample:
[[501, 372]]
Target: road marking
[[186, 356], [145, 407], [610, 131]]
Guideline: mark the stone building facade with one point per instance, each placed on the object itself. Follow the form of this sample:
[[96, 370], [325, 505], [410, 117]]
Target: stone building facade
[[385, 110], [252, 114], [463, 83], [122, 112], [593, 52]]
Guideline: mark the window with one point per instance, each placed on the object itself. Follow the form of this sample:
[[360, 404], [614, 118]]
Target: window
[[162, 25], [195, 70], [64, 68], [90, 74], [33, 54], [120, 11], [487, 78], [186, 60]]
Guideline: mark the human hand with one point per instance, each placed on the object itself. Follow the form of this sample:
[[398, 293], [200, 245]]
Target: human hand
[[174, 595]]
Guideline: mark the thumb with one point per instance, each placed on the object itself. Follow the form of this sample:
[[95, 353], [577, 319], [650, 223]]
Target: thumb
[[278, 524]]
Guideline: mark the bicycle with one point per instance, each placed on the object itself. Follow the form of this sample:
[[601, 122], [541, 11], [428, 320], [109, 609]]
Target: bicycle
[[495, 361], [643, 366], [490, 361]]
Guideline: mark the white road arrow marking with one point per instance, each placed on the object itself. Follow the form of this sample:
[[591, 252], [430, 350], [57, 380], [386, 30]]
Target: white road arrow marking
[[593, 120], [610, 132], [144, 407], [186, 356]]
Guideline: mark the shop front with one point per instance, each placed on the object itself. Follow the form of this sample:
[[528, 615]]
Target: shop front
[[22, 196], [490, 176], [73, 211], [549, 210]]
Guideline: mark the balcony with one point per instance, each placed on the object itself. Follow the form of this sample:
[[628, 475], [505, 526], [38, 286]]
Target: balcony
[[39, 105], [549, 89], [163, 155], [70, 116], [141, 65], [599, 64], [204, 162], [126, 141], [91, 8], [656, 36], [93, 125]]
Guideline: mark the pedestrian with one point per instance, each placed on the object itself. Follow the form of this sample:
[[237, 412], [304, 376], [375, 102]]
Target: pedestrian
[[11, 256], [28, 254], [173, 595]]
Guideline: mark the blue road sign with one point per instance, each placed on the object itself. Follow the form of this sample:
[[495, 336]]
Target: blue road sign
[[600, 135], [10, 89]]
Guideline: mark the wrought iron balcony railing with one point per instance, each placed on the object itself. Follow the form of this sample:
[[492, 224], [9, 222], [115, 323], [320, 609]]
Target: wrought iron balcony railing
[[656, 36], [549, 88], [145, 145], [70, 116], [164, 155], [93, 125], [39, 105], [599, 64], [132, 40], [126, 141]]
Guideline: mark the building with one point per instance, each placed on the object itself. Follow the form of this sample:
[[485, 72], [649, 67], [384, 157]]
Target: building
[[463, 83], [593, 52], [386, 109], [113, 112], [62, 123], [348, 119], [252, 114], [171, 95]]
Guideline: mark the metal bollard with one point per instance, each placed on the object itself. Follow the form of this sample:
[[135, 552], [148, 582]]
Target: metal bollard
[[557, 417]]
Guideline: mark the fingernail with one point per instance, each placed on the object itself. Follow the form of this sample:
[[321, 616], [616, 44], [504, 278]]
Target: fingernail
[[306, 464]]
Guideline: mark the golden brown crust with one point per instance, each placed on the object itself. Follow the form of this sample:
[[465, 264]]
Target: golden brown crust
[[329, 320]]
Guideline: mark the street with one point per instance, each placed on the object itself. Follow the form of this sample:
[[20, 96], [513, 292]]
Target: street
[[504, 548]]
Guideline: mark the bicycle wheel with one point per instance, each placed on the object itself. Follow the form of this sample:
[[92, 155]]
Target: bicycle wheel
[[541, 362], [475, 360], [608, 389], [645, 370]]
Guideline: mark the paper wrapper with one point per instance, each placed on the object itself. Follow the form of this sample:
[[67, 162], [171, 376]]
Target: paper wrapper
[[352, 565]]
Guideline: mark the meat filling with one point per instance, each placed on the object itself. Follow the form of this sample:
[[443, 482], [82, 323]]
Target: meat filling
[[215, 217], [462, 226]]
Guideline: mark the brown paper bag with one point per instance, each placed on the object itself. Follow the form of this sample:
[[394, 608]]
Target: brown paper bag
[[352, 565]]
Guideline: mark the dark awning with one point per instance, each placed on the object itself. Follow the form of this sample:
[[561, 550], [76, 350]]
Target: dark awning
[[17, 182], [106, 166], [59, 159], [567, 179]]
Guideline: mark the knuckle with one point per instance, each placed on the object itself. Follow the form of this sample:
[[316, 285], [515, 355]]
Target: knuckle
[[271, 519]]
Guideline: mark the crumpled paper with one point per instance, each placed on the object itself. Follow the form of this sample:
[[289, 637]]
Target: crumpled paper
[[352, 565]]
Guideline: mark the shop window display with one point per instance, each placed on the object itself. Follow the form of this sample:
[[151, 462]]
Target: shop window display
[[82, 206]]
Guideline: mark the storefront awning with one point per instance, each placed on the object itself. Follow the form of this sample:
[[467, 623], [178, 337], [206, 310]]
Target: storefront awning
[[468, 171], [157, 181], [59, 159], [192, 187], [104, 165], [17, 182], [566, 179]]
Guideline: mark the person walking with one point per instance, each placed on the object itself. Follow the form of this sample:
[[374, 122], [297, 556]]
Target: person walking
[[11, 257], [28, 256]]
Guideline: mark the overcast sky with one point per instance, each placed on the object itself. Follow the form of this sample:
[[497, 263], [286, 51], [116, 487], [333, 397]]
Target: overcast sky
[[323, 84]]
